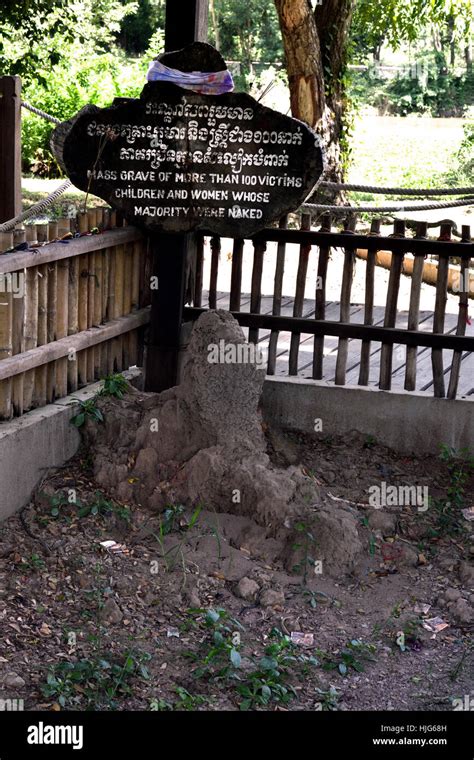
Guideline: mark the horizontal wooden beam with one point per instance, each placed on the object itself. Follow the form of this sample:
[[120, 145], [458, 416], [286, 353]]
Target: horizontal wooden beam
[[13, 262], [59, 349], [343, 329], [416, 246]]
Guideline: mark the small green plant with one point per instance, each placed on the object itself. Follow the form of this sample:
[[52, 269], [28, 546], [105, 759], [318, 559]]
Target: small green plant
[[328, 698], [33, 562], [87, 410], [372, 540], [103, 507], [370, 442], [114, 385], [186, 701], [219, 656], [98, 682], [460, 465], [171, 521], [316, 598], [171, 517], [308, 541], [353, 656], [160, 705], [57, 501], [269, 682]]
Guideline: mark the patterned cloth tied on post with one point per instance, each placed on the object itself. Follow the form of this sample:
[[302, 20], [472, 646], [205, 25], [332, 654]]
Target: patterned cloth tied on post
[[205, 83]]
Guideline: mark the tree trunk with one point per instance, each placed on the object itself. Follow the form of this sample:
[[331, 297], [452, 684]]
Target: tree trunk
[[468, 56], [215, 23], [303, 60], [316, 51], [333, 18]]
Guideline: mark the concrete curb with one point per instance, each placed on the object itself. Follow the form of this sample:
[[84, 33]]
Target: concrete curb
[[31, 444], [406, 422]]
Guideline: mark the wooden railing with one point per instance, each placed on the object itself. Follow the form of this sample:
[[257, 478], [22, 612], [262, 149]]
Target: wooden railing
[[71, 312], [388, 334]]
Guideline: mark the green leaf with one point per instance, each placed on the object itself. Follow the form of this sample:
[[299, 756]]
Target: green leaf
[[266, 693], [342, 668], [195, 516], [268, 663], [212, 616], [235, 658], [79, 419]]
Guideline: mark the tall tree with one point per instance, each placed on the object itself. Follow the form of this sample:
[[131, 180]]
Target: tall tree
[[317, 42], [316, 56]]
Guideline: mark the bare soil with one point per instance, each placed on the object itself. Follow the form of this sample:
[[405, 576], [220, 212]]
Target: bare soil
[[151, 603]]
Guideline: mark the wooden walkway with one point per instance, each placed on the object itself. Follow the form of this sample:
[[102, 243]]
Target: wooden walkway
[[424, 381]]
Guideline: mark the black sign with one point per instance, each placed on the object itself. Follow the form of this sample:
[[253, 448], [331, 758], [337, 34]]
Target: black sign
[[178, 161]]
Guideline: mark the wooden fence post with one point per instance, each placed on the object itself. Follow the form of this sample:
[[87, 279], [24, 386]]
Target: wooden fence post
[[10, 147], [185, 22]]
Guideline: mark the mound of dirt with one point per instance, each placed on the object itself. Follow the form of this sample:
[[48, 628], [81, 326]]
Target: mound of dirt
[[202, 442]]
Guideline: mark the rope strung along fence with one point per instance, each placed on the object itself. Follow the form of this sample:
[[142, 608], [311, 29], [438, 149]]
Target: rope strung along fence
[[398, 190], [388, 209], [41, 113], [36, 209]]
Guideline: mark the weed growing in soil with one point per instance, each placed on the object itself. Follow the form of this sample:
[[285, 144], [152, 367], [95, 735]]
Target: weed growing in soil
[[270, 681], [99, 506], [460, 466], [114, 385], [103, 507], [328, 699], [219, 656], [57, 501], [372, 540], [185, 702], [33, 562], [172, 520], [87, 410], [308, 540], [370, 442], [97, 682], [353, 656]]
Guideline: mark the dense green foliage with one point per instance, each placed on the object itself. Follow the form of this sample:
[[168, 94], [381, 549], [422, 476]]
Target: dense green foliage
[[426, 87], [462, 171], [394, 22], [246, 31]]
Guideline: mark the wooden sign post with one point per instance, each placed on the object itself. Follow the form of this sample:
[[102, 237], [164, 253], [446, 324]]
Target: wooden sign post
[[182, 159], [186, 22], [10, 147]]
